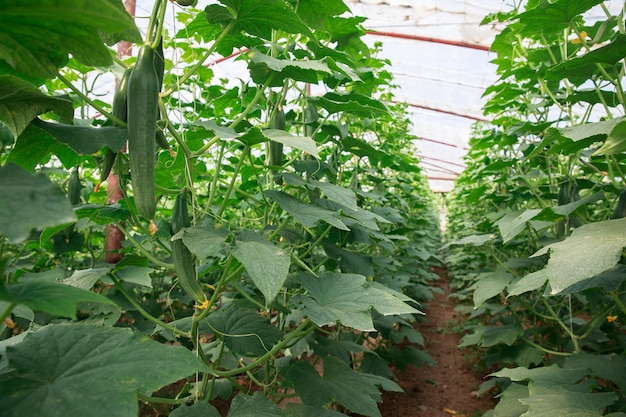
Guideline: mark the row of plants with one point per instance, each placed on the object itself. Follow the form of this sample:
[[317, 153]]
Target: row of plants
[[537, 229], [271, 238]]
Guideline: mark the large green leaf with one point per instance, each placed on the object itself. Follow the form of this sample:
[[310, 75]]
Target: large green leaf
[[73, 370], [315, 12], [50, 297], [486, 336], [302, 143], [199, 409], [83, 139], [258, 17], [339, 382], [590, 250], [552, 18], [21, 102], [545, 376], [267, 264], [529, 282], [615, 142], [348, 298], [307, 214], [34, 146], [40, 52], [490, 284], [262, 67], [303, 410], [205, 241], [336, 193], [560, 402], [30, 201], [608, 367], [244, 331], [514, 223], [354, 103], [474, 240], [256, 405]]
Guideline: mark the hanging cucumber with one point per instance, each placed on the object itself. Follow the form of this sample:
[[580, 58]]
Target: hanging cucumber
[[620, 209], [120, 107], [310, 119], [74, 187], [143, 94], [276, 148], [183, 259]]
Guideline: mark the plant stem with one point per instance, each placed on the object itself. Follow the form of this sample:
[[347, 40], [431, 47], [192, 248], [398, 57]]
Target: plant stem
[[158, 400], [299, 331], [90, 102], [143, 250], [143, 312]]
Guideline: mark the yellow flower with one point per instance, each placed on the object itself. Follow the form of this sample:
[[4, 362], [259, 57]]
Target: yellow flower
[[579, 39], [611, 319]]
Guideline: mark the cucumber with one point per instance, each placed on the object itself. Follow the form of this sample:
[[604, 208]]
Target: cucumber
[[183, 259], [120, 107], [143, 94]]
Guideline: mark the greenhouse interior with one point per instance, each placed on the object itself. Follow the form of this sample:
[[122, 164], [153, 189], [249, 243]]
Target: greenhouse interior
[[297, 208]]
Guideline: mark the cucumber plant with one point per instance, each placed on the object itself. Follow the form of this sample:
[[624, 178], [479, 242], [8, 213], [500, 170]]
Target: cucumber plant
[[535, 246], [246, 269]]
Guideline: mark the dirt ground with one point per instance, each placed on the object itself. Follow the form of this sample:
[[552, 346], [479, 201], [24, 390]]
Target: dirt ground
[[448, 389]]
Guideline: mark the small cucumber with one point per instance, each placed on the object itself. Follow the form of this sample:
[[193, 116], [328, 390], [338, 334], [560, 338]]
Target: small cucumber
[[183, 259], [73, 187], [143, 94]]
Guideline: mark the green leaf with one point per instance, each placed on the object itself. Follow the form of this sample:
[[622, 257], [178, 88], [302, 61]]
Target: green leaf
[[256, 405], [50, 297], [560, 402], [590, 250], [302, 143], [591, 130], [339, 382], [258, 17], [509, 401], [567, 209], [139, 275], [552, 18], [529, 282], [307, 214], [349, 299], [585, 66], [21, 102], [354, 103], [486, 336], [34, 146], [546, 376], [267, 264], [615, 142], [244, 332], [199, 409], [341, 195], [474, 240], [610, 367], [85, 140], [315, 12], [41, 52], [30, 201], [205, 241], [490, 284], [64, 370], [103, 214], [514, 223], [303, 410], [85, 279], [262, 67]]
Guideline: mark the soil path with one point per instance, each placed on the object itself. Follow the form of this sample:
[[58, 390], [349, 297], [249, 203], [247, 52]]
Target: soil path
[[448, 389]]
